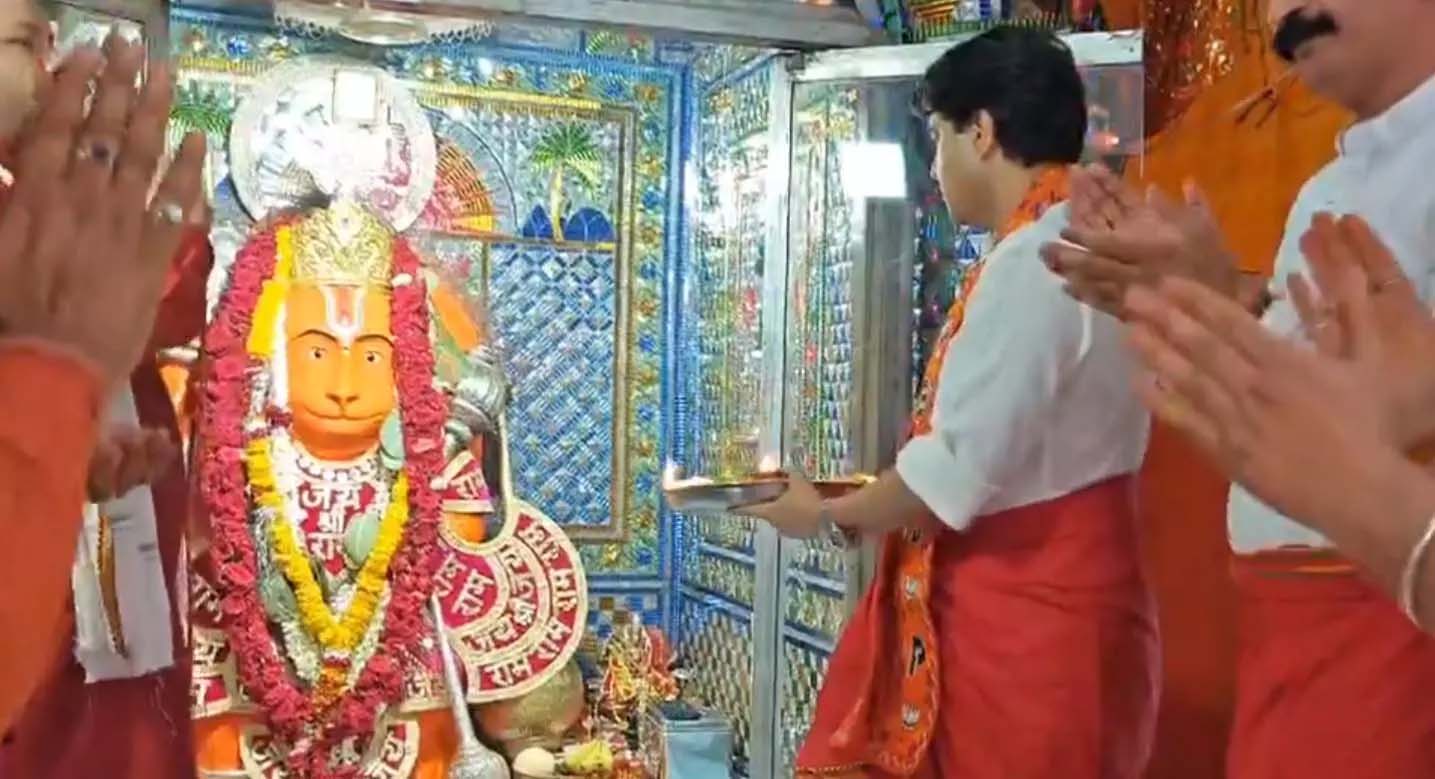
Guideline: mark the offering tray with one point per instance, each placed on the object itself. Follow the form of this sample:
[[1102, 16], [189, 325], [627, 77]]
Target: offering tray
[[836, 488], [698, 496], [702, 496]]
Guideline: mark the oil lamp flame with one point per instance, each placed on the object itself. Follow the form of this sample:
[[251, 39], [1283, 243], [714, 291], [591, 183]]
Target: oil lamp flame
[[672, 479], [770, 463]]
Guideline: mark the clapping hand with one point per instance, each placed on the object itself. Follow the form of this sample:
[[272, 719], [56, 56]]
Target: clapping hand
[[1294, 425], [1364, 311], [83, 250], [1118, 238]]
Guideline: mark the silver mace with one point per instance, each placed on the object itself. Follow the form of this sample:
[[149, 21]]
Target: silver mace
[[474, 761]]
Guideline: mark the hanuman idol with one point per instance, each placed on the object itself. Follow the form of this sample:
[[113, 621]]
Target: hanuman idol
[[350, 422]]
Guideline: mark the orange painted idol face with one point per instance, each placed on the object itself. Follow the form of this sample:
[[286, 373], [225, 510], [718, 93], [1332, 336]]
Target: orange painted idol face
[[340, 354]]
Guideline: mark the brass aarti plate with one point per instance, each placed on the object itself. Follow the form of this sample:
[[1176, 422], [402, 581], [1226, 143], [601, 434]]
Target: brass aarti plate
[[697, 496], [723, 497], [836, 488]]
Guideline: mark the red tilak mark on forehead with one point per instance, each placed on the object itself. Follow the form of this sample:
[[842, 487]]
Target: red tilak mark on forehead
[[344, 312], [345, 309]]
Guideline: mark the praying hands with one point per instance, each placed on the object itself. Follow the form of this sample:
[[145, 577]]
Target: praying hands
[[1319, 434], [83, 250], [83, 257], [1119, 238]]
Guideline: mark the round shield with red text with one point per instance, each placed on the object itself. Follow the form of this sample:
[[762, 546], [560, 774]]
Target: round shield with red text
[[515, 606]]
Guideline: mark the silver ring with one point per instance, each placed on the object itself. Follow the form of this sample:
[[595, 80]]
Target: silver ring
[[169, 212]]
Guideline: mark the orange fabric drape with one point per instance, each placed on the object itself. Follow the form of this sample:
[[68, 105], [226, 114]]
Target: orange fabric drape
[[1251, 174], [50, 424]]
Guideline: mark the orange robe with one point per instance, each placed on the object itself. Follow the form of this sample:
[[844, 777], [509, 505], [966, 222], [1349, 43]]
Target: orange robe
[[1335, 682], [49, 420], [126, 728]]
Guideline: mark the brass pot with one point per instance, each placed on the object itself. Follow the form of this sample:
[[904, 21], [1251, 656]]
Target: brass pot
[[540, 718]]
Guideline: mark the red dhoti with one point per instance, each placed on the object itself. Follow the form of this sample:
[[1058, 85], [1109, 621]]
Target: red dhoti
[[1045, 654], [1333, 681]]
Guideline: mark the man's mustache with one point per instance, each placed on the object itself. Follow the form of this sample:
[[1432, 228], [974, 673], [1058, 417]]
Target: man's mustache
[[1298, 28]]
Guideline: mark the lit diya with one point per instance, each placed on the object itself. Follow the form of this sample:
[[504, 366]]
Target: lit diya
[[699, 495]]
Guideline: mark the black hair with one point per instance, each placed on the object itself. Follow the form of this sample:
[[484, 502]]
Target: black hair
[[1026, 79], [1297, 28]]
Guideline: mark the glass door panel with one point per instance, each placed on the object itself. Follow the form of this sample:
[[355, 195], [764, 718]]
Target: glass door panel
[[719, 610], [847, 172], [872, 264]]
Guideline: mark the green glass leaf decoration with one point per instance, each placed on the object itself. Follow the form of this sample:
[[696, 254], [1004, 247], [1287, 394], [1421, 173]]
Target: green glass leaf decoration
[[329, 582], [360, 538], [277, 597], [391, 443]]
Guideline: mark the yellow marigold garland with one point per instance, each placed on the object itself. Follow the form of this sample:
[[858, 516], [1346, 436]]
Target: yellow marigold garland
[[271, 298], [331, 632]]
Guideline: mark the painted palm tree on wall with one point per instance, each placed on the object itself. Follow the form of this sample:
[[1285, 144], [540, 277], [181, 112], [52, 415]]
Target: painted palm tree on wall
[[567, 151], [196, 109]]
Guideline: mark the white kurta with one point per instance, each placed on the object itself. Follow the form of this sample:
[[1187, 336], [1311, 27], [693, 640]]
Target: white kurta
[[1034, 400], [144, 607], [1383, 174]]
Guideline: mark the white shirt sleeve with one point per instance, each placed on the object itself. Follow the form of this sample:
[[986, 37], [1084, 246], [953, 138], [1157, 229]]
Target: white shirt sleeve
[[1281, 317], [996, 392]]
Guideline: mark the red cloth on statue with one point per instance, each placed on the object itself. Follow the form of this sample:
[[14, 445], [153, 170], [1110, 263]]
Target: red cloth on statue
[[1334, 682], [1048, 649], [181, 315]]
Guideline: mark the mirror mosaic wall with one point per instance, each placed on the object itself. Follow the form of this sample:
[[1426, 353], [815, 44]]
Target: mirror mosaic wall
[[613, 201]]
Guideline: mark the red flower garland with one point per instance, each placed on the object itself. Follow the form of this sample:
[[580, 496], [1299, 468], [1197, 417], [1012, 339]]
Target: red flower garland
[[292, 718]]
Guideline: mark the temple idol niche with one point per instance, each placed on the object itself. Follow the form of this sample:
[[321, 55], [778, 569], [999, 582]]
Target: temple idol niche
[[351, 403], [603, 205]]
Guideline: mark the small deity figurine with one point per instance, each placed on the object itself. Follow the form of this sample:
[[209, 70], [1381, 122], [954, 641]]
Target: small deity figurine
[[637, 666], [348, 403]]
